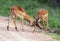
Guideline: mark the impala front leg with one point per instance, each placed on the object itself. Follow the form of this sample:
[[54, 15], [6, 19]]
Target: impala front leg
[[22, 23], [14, 21], [34, 30], [42, 24]]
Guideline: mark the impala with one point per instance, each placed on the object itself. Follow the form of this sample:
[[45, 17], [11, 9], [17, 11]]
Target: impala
[[42, 15], [15, 12]]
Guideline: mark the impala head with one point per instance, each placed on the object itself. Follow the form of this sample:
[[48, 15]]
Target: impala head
[[35, 23]]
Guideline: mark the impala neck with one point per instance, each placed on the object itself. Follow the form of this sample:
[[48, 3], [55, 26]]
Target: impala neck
[[30, 19]]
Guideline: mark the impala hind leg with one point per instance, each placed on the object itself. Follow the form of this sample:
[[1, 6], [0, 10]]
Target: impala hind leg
[[14, 21], [8, 25]]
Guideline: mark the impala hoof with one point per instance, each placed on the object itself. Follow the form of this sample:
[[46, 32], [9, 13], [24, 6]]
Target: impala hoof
[[33, 31], [22, 30], [46, 30], [8, 28], [16, 29]]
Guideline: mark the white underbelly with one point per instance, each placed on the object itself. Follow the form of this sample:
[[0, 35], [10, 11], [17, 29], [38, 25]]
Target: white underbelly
[[20, 16]]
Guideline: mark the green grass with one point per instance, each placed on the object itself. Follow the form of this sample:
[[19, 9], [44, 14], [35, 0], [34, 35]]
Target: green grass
[[55, 36], [32, 7]]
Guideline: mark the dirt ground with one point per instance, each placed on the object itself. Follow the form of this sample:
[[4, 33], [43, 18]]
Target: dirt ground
[[27, 35]]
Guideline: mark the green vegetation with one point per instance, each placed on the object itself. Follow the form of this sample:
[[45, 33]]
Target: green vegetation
[[55, 36], [32, 7]]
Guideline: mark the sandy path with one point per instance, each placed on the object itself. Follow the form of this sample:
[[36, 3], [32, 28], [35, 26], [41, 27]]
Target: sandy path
[[27, 35]]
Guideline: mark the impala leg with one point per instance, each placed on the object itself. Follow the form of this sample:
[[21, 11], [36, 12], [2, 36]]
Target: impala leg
[[34, 30], [46, 25], [8, 25], [14, 21], [22, 19], [43, 24]]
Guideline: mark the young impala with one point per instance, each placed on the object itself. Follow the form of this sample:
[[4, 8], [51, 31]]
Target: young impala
[[42, 16], [16, 11]]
